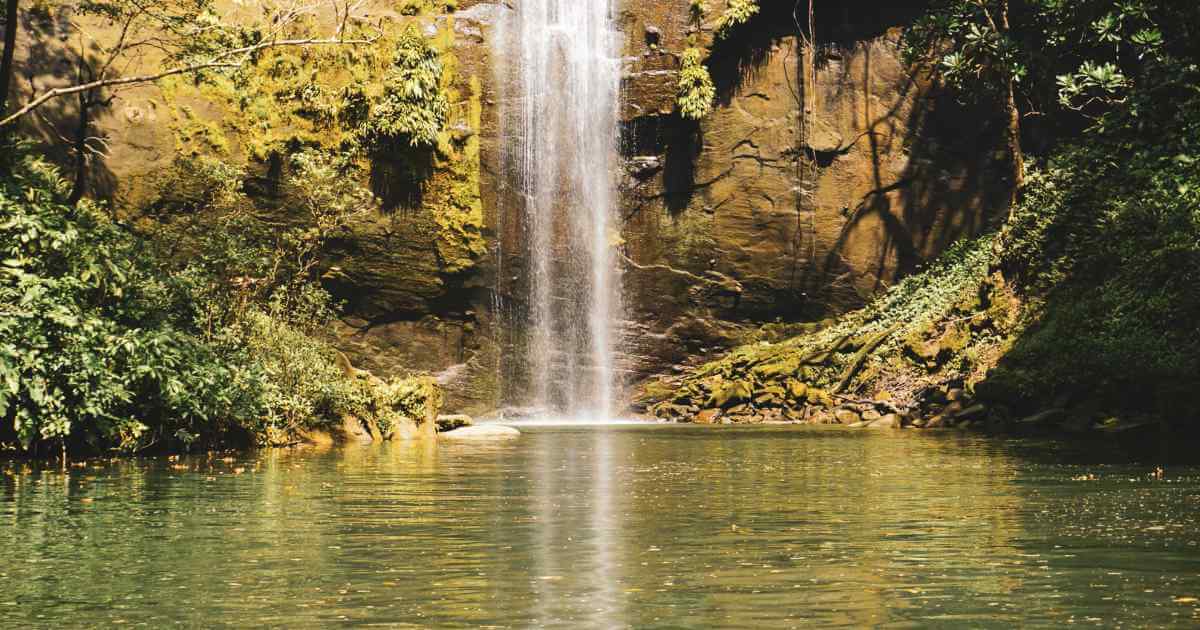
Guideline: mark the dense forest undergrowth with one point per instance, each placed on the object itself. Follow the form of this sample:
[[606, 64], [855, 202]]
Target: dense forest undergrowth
[[114, 340], [1080, 312]]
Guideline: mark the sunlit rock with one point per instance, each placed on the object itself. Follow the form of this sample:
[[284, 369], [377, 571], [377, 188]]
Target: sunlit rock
[[482, 432]]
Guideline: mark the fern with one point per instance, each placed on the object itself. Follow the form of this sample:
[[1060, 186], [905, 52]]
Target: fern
[[737, 13], [413, 109], [696, 92]]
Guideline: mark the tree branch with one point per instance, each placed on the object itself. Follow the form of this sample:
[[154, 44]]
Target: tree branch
[[217, 61]]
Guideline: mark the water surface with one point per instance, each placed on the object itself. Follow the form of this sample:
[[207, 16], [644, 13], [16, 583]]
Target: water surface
[[622, 526]]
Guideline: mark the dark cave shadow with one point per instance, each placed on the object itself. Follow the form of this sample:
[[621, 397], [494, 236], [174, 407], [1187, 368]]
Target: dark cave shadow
[[679, 141], [684, 141], [396, 179]]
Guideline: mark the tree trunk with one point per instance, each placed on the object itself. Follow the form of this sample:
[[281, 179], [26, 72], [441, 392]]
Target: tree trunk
[[10, 45], [79, 186], [1014, 139], [1014, 122]]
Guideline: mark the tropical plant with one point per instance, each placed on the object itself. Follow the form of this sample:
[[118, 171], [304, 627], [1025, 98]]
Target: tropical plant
[[695, 94], [736, 13], [93, 346], [413, 109]]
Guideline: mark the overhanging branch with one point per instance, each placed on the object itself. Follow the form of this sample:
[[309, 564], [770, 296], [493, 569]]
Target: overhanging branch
[[226, 59]]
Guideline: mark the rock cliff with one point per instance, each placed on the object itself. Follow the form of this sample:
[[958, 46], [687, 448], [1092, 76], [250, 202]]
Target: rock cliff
[[817, 180]]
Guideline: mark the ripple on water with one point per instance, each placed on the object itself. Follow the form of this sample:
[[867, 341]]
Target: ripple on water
[[606, 526]]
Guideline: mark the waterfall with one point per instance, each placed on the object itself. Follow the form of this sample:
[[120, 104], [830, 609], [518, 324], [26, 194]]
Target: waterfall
[[560, 85]]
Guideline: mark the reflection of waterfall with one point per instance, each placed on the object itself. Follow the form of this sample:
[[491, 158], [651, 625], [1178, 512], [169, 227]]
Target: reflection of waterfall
[[577, 558], [559, 129]]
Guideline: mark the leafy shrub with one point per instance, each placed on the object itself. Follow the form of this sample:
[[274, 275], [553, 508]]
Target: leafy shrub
[[413, 108], [696, 92], [737, 13], [90, 348], [193, 184], [1109, 251], [104, 345], [303, 387]]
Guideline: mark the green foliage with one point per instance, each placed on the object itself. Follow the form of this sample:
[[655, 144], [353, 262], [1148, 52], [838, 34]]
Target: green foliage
[[198, 336], [695, 94], [200, 183], [303, 386], [413, 109], [421, 7], [1107, 242], [737, 13], [971, 50], [329, 190], [1070, 53], [93, 346]]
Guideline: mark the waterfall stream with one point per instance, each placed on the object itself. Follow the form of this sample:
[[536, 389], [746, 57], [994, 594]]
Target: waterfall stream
[[560, 88]]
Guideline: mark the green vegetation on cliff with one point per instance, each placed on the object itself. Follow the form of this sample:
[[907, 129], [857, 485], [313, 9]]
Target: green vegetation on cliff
[[696, 91], [105, 344], [1080, 310], [188, 312], [412, 110], [736, 13]]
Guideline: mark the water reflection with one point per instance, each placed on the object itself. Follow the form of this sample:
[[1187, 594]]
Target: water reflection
[[632, 526]]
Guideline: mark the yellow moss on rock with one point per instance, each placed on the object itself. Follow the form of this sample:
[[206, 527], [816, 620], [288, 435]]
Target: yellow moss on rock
[[195, 135], [452, 192]]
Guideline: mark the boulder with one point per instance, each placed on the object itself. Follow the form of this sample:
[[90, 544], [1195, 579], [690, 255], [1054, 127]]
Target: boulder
[[821, 416], [482, 432], [1047, 417], [353, 430], [846, 416], [819, 397], [708, 416], [451, 421], [890, 421], [973, 412], [729, 394]]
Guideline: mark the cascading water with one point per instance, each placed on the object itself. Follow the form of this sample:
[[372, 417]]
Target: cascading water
[[560, 90]]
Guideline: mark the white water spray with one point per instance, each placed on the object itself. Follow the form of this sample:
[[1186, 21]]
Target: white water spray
[[561, 92]]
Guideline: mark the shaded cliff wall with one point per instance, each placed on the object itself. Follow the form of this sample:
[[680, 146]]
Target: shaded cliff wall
[[817, 180]]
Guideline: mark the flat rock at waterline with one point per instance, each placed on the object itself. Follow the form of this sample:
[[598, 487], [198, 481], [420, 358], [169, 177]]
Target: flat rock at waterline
[[482, 432]]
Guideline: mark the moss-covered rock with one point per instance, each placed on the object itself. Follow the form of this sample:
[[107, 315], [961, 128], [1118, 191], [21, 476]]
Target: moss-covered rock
[[730, 393]]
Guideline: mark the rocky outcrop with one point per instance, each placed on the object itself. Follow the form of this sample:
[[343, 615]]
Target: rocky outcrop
[[813, 184]]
